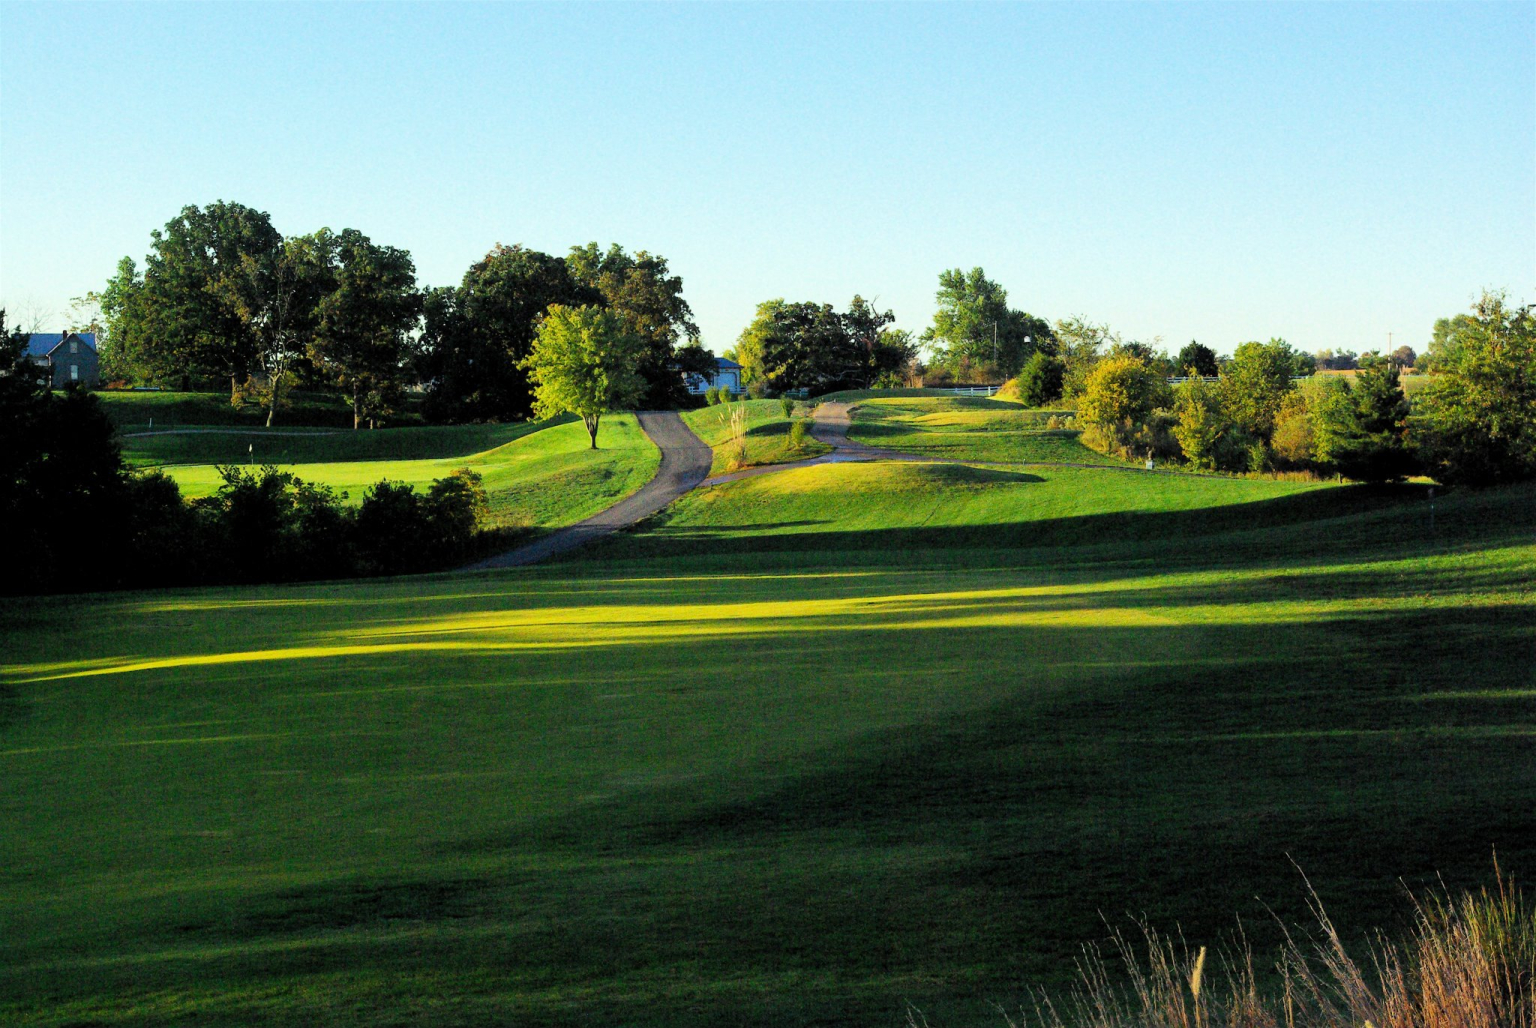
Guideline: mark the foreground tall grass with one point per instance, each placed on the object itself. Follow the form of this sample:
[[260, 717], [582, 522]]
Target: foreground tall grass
[[1467, 962]]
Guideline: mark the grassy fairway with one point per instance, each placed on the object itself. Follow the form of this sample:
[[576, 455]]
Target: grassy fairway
[[768, 438], [539, 478], [968, 428], [694, 778]]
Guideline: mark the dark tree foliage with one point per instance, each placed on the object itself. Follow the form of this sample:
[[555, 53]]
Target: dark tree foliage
[[649, 300], [813, 346], [1197, 359], [1373, 443], [477, 335], [1040, 380], [364, 324], [61, 475], [195, 283]]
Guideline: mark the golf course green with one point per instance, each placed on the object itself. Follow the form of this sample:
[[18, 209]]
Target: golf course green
[[801, 749], [536, 474]]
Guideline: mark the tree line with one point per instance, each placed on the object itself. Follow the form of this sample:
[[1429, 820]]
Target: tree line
[[1473, 423], [223, 295]]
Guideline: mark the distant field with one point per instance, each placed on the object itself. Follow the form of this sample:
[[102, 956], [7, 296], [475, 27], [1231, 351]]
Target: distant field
[[1410, 383], [538, 476], [768, 439], [803, 750], [969, 428]]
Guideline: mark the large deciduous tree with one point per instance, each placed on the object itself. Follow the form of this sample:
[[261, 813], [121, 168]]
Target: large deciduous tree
[[585, 361], [363, 325], [479, 334], [196, 281], [1479, 411], [649, 300], [1254, 384], [813, 346], [280, 301], [975, 325]]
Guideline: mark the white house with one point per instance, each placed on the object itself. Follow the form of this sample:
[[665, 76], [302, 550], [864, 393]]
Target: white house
[[727, 376]]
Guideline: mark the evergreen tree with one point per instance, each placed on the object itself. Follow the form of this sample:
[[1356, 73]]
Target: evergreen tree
[[1373, 445]]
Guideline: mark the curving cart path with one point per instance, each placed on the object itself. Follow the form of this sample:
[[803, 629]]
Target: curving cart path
[[685, 463], [685, 460]]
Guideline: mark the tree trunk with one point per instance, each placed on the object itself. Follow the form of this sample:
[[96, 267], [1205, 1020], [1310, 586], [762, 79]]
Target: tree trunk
[[234, 388], [592, 428], [272, 402], [357, 415]]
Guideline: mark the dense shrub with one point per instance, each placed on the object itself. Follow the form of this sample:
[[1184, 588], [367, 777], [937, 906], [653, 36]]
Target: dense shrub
[[1040, 380], [1119, 398]]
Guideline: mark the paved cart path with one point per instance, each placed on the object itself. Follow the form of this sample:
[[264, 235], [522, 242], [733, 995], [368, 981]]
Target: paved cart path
[[685, 460], [685, 463]]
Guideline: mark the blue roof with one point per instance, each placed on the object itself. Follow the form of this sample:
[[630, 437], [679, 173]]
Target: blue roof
[[41, 344], [725, 362]]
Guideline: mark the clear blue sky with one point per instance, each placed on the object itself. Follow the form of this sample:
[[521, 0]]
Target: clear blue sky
[[1322, 172]]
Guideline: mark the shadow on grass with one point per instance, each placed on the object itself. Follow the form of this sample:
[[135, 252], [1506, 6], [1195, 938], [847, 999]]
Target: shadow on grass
[[659, 540]]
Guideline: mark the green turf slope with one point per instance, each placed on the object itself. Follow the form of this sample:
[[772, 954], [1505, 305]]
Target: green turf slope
[[893, 512], [541, 478], [222, 445], [663, 793], [969, 428], [767, 433]]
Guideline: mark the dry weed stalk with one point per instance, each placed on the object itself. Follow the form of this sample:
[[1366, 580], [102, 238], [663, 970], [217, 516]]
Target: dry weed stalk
[[1469, 962]]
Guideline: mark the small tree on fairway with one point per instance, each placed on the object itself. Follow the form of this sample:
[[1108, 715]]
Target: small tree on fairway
[[586, 362]]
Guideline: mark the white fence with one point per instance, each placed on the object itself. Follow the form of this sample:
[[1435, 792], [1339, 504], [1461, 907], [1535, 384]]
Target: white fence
[[973, 390]]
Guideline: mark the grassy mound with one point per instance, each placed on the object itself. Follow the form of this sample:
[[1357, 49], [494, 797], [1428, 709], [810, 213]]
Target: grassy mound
[[970, 428], [542, 476], [779, 788], [768, 439]]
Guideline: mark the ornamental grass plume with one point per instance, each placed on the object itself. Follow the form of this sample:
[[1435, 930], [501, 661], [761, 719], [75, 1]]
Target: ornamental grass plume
[[1467, 962]]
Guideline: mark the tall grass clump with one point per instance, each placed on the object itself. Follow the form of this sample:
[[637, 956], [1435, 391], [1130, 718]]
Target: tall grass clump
[[736, 449], [1467, 962]]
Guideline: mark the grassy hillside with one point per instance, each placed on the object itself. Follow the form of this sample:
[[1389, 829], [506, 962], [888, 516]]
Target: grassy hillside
[[215, 445], [132, 411], [968, 428], [536, 475], [767, 438], [735, 769], [895, 512]]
